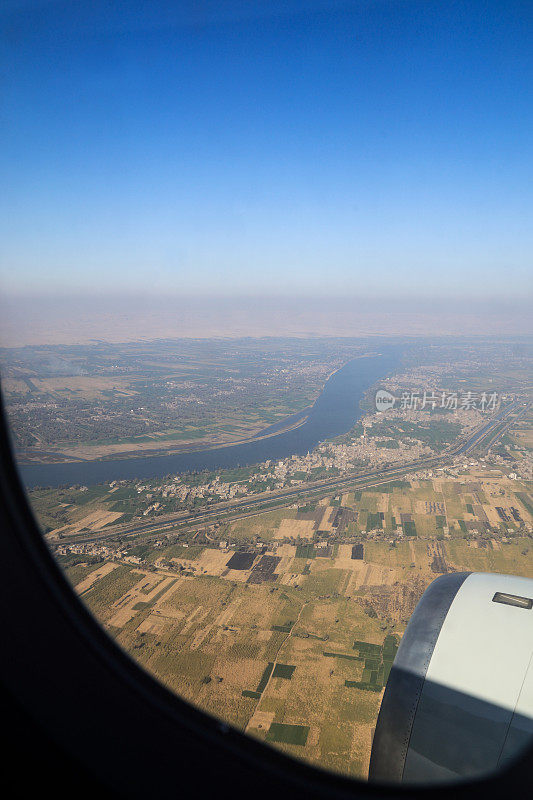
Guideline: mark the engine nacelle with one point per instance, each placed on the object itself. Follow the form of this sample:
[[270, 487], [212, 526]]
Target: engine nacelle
[[459, 699]]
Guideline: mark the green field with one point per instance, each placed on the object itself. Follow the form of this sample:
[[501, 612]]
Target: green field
[[288, 734], [283, 671]]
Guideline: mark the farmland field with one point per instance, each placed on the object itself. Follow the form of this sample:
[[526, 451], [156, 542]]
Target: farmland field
[[289, 632]]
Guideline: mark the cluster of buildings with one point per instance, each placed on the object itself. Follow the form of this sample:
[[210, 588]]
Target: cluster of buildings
[[365, 450], [522, 468], [106, 552], [101, 551], [215, 488]]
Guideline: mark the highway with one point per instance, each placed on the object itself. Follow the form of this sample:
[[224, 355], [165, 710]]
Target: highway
[[260, 503]]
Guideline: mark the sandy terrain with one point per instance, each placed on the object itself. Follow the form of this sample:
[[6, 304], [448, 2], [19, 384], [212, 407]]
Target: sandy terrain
[[115, 318], [92, 522], [294, 528]]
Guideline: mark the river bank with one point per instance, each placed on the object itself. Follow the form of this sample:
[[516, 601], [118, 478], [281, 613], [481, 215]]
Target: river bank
[[334, 412]]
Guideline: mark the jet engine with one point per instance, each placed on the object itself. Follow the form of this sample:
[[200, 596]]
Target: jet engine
[[459, 700]]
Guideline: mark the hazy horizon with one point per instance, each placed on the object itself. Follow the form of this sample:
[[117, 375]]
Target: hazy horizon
[[83, 319]]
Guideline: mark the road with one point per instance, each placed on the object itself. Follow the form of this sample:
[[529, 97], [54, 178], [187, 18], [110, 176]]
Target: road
[[258, 504]]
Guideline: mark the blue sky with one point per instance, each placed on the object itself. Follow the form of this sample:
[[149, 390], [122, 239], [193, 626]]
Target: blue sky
[[321, 148]]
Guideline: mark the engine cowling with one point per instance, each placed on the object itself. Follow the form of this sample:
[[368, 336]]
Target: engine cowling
[[459, 700]]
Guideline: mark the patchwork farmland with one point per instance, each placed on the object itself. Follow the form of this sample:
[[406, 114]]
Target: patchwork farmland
[[286, 625]]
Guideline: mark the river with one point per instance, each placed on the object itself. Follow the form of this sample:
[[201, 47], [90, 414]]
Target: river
[[334, 412]]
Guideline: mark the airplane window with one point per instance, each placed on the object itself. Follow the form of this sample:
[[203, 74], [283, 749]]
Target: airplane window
[[266, 357]]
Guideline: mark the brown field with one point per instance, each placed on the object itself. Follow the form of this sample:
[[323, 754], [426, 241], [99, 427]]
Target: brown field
[[327, 519], [91, 579], [296, 528], [148, 586], [93, 521]]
